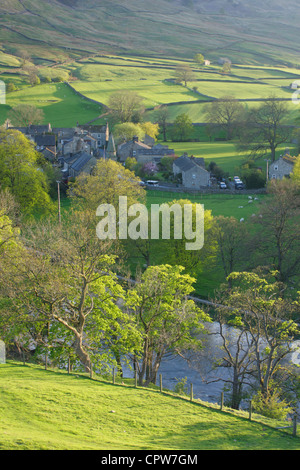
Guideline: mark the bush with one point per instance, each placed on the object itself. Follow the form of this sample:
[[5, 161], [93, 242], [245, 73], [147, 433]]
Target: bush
[[181, 387], [271, 406], [254, 178]]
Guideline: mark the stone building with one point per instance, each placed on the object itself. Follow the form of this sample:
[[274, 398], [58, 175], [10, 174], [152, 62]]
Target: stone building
[[193, 172], [282, 168]]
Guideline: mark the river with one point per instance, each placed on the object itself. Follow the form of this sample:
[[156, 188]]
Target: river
[[174, 368]]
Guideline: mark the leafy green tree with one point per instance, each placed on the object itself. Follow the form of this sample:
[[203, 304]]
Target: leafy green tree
[[277, 230], [268, 318], [296, 172], [182, 128], [65, 287], [175, 250], [231, 239], [21, 174], [108, 181], [183, 73], [199, 59], [162, 115], [166, 318], [126, 131]]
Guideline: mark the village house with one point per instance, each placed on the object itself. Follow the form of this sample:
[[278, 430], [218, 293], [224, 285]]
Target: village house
[[130, 149], [75, 164], [142, 152], [46, 144], [283, 167], [193, 172]]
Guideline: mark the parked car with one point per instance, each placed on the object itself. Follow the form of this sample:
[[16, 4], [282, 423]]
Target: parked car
[[239, 185], [222, 185], [152, 183]]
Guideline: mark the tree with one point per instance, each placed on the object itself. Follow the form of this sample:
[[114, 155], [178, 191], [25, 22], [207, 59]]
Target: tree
[[225, 112], [108, 181], [174, 250], [236, 354], [295, 176], [183, 73], [199, 59], [267, 317], [150, 129], [263, 130], [231, 237], [24, 115], [11, 87], [65, 287], [126, 106], [20, 172], [126, 131], [182, 128], [162, 115], [277, 234], [167, 319]]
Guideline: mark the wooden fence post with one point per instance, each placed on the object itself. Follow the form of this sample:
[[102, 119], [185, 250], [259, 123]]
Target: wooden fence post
[[91, 371], [135, 379], [250, 411], [222, 401], [160, 382], [295, 426], [114, 376], [191, 393]]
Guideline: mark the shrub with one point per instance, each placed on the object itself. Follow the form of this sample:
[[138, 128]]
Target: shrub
[[271, 406]]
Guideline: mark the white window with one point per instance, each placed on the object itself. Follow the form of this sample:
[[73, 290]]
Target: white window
[[276, 168]]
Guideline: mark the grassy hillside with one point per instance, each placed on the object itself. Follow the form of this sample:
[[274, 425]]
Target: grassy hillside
[[47, 410], [245, 31]]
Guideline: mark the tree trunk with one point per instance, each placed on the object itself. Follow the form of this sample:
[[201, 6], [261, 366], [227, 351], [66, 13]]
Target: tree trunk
[[81, 353]]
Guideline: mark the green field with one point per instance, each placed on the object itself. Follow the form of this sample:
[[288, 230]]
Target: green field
[[228, 205], [51, 410], [98, 77], [61, 106]]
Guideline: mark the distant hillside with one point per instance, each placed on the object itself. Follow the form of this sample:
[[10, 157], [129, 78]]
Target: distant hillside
[[243, 30]]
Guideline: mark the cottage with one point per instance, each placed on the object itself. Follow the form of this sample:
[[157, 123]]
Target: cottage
[[130, 149], [76, 164], [46, 144], [193, 172], [282, 168], [33, 130], [154, 154]]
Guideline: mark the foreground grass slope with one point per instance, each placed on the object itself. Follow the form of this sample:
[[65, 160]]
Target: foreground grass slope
[[42, 409]]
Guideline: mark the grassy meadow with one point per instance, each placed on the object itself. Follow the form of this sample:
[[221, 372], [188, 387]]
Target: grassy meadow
[[97, 77], [51, 410]]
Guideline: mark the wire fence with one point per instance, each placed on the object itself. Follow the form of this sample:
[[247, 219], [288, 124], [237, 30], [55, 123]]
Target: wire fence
[[134, 384]]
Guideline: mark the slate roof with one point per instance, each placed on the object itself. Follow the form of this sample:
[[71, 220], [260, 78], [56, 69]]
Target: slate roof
[[186, 163], [81, 159], [45, 140]]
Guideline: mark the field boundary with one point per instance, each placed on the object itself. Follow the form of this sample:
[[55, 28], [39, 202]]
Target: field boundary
[[219, 406]]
